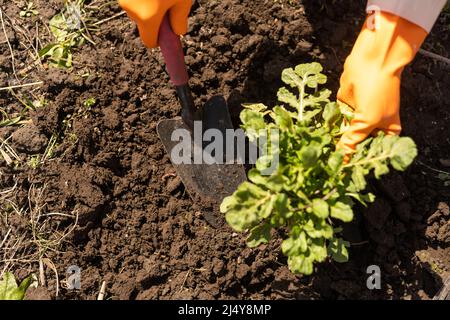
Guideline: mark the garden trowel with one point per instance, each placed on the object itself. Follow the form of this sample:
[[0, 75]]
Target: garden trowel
[[207, 183]]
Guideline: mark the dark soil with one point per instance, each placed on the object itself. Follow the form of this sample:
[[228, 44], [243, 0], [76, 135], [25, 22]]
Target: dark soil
[[139, 231]]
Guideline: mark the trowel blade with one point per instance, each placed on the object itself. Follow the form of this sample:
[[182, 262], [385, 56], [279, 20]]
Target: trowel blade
[[207, 184]]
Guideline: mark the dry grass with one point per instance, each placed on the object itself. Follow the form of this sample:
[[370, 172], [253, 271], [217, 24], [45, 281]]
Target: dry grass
[[29, 233]]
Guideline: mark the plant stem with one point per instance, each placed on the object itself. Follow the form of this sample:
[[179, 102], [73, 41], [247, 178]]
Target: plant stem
[[382, 157], [301, 88]]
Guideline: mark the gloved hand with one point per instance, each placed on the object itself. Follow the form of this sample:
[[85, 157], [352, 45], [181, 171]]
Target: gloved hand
[[148, 14], [370, 83]]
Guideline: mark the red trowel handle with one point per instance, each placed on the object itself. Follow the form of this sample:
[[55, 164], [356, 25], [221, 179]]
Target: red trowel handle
[[172, 51]]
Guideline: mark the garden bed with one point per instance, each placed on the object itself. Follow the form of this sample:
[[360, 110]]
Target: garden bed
[[108, 200]]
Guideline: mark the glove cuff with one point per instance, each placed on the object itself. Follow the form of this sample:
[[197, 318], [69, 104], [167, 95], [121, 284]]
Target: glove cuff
[[421, 12], [387, 42]]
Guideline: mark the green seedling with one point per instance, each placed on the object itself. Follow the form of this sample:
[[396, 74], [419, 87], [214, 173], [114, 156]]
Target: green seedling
[[82, 112], [28, 11], [70, 29], [34, 161], [89, 103], [313, 190], [40, 103], [73, 138]]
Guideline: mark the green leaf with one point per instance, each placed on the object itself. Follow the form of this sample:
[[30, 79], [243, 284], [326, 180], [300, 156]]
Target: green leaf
[[318, 229], [289, 77], [331, 114], [258, 107], [243, 209], [10, 122], [281, 206], [309, 156], [318, 250], [267, 208], [363, 198], [283, 118], [253, 120], [358, 178], [255, 177], [249, 191], [301, 264], [380, 169], [335, 161], [68, 63], [311, 74], [318, 99], [90, 102], [337, 249], [228, 203], [284, 95], [341, 211], [24, 285], [259, 235], [404, 153], [9, 289], [295, 244], [47, 50], [315, 80], [304, 69], [346, 111], [320, 208], [241, 220], [273, 183]]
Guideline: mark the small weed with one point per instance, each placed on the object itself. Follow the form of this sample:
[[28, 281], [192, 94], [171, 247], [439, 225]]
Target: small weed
[[49, 151], [90, 102], [73, 138], [70, 29], [28, 11], [34, 161], [40, 103]]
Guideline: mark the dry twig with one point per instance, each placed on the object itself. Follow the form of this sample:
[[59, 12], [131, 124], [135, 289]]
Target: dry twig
[[434, 56], [101, 294], [9, 45]]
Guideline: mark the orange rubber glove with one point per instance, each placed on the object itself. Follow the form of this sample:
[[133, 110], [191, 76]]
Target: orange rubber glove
[[148, 14], [370, 83]]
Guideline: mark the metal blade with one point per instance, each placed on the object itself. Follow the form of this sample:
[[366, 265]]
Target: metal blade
[[207, 184]]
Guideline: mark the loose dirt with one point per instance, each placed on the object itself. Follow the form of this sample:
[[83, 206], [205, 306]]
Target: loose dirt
[[138, 230]]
